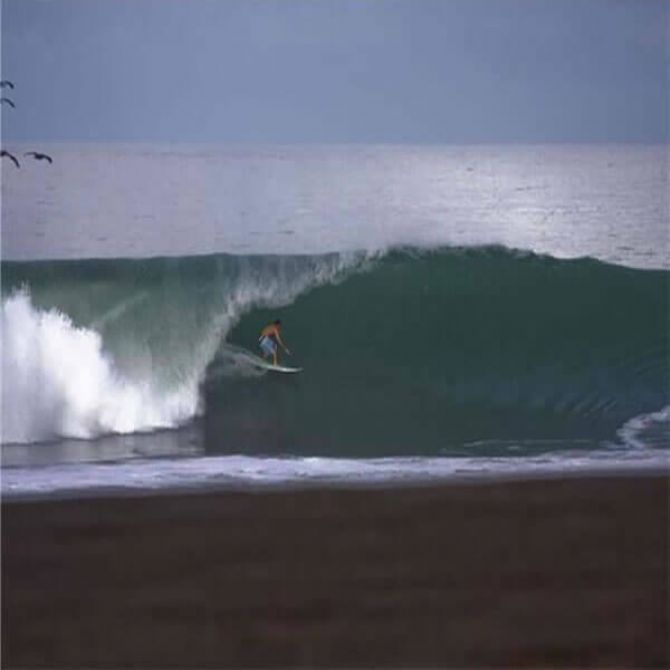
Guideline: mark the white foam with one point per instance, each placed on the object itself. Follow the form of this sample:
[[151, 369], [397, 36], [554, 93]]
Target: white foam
[[58, 381], [647, 430], [246, 472]]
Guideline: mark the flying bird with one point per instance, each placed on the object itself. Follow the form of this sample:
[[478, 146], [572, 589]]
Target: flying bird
[[8, 101], [5, 83], [4, 153], [39, 157]]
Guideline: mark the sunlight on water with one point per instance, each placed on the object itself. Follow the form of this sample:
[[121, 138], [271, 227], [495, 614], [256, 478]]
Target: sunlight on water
[[608, 202]]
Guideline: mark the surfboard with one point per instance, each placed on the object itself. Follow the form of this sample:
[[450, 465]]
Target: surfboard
[[275, 368], [265, 365], [243, 355]]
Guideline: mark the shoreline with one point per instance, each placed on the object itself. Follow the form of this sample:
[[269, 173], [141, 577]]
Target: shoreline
[[210, 475], [559, 572]]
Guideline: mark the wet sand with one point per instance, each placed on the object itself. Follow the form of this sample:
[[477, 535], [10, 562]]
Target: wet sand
[[556, 573]]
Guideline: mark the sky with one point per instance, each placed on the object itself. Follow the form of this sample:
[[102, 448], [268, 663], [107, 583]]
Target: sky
[[336, 71]]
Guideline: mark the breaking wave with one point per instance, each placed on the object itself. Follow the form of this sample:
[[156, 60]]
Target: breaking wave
[[449, 350]]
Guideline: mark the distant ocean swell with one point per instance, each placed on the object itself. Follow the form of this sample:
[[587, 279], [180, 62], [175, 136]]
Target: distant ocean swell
[[453, 350]]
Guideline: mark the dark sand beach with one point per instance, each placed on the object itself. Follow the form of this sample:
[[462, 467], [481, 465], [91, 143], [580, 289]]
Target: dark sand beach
[[543, 573]]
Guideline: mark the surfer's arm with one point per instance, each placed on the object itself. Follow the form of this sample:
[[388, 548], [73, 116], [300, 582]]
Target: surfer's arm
[[283, 346]]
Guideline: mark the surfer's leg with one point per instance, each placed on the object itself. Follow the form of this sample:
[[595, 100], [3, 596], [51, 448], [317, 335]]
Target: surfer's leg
[[267, 348]]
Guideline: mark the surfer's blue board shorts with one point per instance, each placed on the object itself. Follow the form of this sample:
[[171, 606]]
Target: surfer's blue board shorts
[[267, 345]]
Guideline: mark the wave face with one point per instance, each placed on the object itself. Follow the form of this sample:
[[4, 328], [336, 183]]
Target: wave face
[[453, 351], [456, 351], [94, 347]]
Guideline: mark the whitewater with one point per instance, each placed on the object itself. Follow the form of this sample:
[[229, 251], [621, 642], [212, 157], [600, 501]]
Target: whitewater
[[458, 311]]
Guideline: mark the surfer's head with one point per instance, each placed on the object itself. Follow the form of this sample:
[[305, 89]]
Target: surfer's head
[[278, 322]]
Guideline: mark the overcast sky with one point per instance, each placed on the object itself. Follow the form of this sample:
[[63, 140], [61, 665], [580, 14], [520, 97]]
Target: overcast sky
[[284, 71]]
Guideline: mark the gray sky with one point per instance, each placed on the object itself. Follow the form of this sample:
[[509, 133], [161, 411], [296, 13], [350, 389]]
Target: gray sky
[[424, 71]]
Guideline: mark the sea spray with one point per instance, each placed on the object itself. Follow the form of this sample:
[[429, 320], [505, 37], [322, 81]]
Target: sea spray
[[59, 381]]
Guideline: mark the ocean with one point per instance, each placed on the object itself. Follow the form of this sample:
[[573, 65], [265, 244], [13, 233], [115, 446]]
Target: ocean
[[459, 312]]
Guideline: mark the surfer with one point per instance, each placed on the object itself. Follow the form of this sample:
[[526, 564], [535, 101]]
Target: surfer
[[269, 339]]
